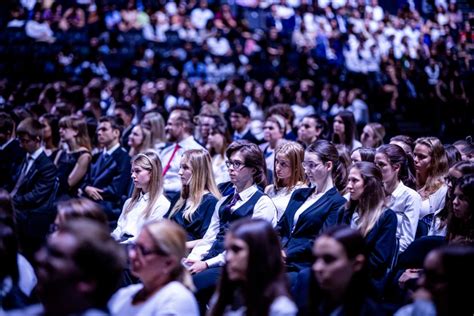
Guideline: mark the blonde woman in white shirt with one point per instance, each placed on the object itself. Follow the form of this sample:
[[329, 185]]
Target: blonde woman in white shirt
[[147, 202], [431, 166], [288, 175]]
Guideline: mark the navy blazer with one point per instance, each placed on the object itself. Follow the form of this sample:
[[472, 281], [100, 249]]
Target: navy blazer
[[37, 188], [381, 244], [112, 176], [34, 202], [197, 227], [298, 242], [11, 158]]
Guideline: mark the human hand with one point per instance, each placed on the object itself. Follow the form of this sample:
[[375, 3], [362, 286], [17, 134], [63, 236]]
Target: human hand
[[196, 266], [94, 193], [409, 274]]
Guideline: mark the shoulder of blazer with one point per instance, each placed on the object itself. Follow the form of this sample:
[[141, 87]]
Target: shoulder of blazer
[[301, 194]]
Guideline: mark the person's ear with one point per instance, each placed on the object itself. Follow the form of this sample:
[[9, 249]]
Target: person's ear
[[358, 262], [396, 167], [116, 133], [329, 165]]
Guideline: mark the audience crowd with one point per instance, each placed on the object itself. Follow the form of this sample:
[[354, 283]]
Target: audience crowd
[[247, 158]]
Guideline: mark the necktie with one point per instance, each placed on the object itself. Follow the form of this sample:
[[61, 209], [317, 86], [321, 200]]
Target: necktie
[[232, 202], [21, 177], [168, 165]]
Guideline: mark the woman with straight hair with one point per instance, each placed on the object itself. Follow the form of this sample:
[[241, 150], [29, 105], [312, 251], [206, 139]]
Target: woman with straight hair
[[73, 162], [288, 175], [312, 210], [199, 195], [345, 130], [165, 287], [431, 166], [247, 173], [154, 122], [147, 202], [338, 282], [253, 279], [372, 135], [217, 142], [139, 140], [366, 211], [398, 182]]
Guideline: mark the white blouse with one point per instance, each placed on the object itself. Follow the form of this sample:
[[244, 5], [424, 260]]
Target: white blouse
[[434, 202], [132, 222], [281, 198], [174, 299]]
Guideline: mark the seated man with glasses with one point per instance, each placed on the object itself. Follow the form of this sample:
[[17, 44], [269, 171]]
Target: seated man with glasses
[[247, 171]]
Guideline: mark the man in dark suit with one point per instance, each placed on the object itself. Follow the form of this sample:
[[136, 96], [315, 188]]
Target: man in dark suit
[[240, 122], [108, 180], [35, 187], [125, 112], [11, 154]]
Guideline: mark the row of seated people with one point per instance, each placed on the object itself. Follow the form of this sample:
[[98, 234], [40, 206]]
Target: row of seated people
[[379, 204], [341, 277]]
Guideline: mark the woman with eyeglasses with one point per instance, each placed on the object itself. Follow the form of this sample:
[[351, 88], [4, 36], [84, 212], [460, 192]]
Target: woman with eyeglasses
[[253, 279], [199, 195], [312, 210], [288, 175], [165, 287], [247, 173], [366, 211], [147, 202]]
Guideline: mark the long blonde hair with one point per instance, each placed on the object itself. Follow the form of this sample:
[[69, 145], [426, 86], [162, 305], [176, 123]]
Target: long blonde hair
[[294, 152], [149, 161], [202, 180], [170, 238], [438, 167]]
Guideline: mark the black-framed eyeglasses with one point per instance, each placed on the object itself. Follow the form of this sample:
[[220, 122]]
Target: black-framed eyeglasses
[[144, 251], [237, 165]]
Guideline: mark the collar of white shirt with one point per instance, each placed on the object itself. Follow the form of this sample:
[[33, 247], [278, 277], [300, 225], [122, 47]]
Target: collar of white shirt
[[36, 154], [111, 150], [247, 193], [2, 147]]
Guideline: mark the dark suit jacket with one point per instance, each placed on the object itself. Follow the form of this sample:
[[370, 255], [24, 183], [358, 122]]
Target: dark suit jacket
[[197, 227], [34, 200], [298, 242], [112, 176], [11, 158], [251, 138], [381, 244]]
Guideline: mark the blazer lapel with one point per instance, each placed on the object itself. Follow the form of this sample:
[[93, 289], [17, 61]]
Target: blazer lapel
[[315, 206], [296, 201]]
